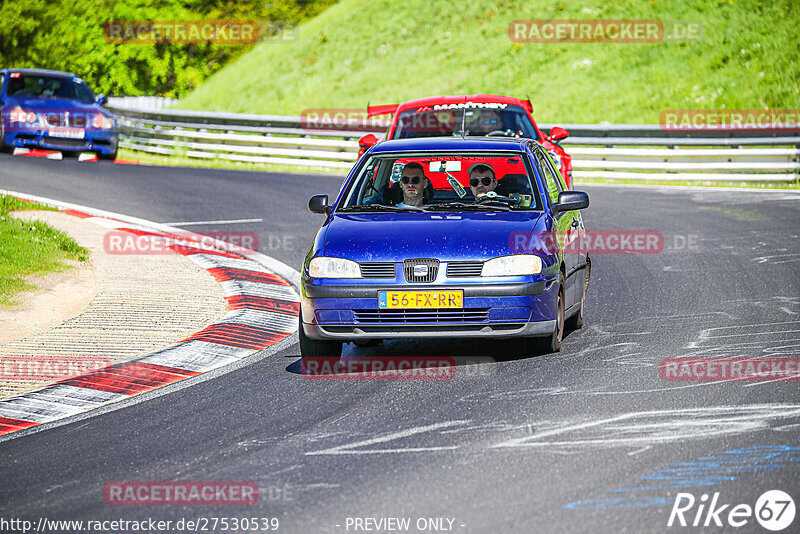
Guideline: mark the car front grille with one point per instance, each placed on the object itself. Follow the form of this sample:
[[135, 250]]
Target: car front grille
[[78, 122], [420, 270], [458, 269], [66, 143], [439, 315], [377, 270], [65, 119]]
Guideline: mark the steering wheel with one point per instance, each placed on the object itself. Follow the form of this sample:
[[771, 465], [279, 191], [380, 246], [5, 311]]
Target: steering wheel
[[492, 196], [508, 132]]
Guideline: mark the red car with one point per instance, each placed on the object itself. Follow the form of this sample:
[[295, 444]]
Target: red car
[[474, 115]]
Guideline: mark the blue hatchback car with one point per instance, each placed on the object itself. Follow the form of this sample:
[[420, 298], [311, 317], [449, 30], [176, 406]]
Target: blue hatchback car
[[54, 111], [446, 238]]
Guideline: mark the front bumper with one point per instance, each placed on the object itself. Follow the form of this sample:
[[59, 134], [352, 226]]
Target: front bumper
[[93, 141], [492, 330], [490, 310]]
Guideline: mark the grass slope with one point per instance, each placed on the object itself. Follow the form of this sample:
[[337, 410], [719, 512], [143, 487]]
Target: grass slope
[[382, 51], [28, 248]]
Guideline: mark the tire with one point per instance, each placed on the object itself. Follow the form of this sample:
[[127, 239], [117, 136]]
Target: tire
[[69, 154], [576, 321], [108, 157], [552, 343], [314, 348], [3, 148]]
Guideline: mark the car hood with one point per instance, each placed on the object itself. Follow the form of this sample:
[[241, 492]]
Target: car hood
[[53, 104], [367, 237]]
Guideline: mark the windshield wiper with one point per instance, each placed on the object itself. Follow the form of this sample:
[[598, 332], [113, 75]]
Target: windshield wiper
[[464, 205], [378, 207]]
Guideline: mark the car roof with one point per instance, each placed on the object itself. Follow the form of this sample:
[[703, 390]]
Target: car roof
[[43, 72], [452, 143]]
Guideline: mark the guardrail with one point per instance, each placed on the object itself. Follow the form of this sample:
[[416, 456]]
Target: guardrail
[[603, 151]]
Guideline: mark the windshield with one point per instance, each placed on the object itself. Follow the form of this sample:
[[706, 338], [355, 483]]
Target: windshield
[[501, 120], [26, 85], [443, 182]]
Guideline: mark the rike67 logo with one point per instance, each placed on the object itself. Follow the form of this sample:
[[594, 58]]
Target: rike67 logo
[[774, 510]]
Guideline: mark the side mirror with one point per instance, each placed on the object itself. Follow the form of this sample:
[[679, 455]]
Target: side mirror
[[319, 204], [557, 133], [366, 142], [571, 200], [101, 99]]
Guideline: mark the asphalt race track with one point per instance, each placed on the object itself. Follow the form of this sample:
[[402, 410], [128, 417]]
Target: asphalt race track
[[589, 440]]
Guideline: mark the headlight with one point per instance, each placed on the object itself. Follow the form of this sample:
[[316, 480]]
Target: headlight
[[19, 115], [517, 265], [101, 122], [333, 268]]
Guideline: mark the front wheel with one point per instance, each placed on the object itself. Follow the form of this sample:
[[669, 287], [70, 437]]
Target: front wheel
[[315, 348], [576, 321], [552, 343], [3, 147], [108, 157]]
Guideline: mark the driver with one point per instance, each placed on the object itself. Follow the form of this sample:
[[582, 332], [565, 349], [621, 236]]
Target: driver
[[413, 182], [489, 121], [481, 179]]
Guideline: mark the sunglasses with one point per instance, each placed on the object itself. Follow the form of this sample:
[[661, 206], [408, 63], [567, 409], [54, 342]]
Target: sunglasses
[[473, 182], [408, 179]]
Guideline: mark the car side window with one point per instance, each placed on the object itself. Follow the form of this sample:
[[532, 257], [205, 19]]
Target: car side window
[[2, 82], [550, 181]]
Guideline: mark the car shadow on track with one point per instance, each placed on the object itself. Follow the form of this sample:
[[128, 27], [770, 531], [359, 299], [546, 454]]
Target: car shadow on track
[[415, 353]]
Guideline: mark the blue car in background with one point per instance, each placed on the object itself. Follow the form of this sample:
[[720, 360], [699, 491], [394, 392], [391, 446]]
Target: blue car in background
[[487, 248], [54, 110]]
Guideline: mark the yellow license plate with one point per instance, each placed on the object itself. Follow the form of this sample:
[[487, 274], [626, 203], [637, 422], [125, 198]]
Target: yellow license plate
[[421, 299]]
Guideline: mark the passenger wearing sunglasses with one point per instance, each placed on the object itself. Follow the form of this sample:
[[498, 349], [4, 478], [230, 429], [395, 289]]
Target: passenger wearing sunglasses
[[481, 179], [413, 183]]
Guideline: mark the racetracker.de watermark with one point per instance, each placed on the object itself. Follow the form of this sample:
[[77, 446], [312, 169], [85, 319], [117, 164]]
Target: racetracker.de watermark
[[118, 242], [346, 119], [692, 369], [138, 493], [225, 32], [395, 367], [604, 31], [728, 120], [593, 242], [49, 367]]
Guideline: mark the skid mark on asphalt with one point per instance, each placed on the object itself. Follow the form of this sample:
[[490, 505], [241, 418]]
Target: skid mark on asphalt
[[517, 394], [639, 431], [717, 336], [654, 427], [778, 258], [352, 448], [734, 198]]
